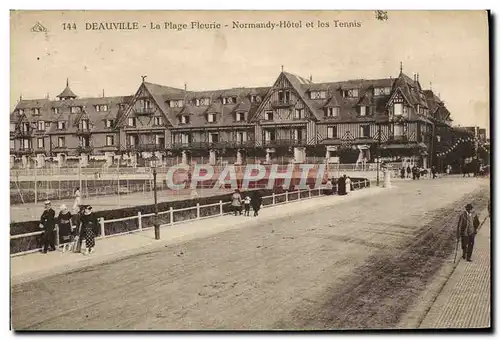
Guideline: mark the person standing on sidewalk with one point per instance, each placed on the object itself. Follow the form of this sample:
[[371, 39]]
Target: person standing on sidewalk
[[64, 225], [48, 223], [468, 222], [256, 202], [89, 228], [78, 198], [236, 202]]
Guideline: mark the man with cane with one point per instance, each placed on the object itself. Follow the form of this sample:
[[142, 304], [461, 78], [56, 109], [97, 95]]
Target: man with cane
[[467, 226]]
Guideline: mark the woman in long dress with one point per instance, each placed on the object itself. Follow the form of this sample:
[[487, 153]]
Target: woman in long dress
[[236, 202], [78, 198], [256, 202], [64, 224], [348, 185], [89, 228]]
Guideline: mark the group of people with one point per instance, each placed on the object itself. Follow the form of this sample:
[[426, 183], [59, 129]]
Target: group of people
[[344, 185], [240, 203], [416, 172], [73, 227]]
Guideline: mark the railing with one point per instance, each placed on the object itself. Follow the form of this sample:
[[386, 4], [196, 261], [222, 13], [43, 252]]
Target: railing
[[271, 200], [283, 103], [143, 110], [146, 147], [284, 142]]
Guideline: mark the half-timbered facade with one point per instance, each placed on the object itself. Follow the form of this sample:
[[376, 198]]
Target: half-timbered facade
[[343, 121]]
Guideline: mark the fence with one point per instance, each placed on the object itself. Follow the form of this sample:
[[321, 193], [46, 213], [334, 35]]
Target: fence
[[114, 227]]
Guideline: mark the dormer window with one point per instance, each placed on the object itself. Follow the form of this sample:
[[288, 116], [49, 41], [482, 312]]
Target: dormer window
[[229, 100], [184, 120], [381, 91], [211, 118], [109, 123], [318, 94], [363, 110], [350, 93], [36, 111], [398, 109], [131, 121], [41, 125], [75, 109], [61, 125], [84, 124], [202, 101], [268, 115], [20, 111], [255, 99], [176, 103], [284, 97], [55, 110], [332, 111], [100, 108], [240, 116]]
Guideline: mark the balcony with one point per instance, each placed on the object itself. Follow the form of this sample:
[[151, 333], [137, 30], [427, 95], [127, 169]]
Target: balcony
[[284, 142], [84, 149], [283, 104], [23, 133], [152, 147], [144, 111], [83, 132], [191, 145], [23, 151]]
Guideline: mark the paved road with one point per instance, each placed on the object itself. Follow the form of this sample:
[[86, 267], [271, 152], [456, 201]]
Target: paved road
[[354, 265]]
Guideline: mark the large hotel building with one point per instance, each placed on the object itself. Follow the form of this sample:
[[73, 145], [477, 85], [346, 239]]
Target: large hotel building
[[294, 119]]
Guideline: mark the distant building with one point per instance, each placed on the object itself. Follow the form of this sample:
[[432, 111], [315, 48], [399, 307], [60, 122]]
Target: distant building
[[294, 118]]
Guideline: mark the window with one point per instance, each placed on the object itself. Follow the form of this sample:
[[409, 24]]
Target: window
[[110, 140], [318, 94], [362, 110], [61, 125], [240, 116], [202, 102], [36, 111], [158, 121], [438, 138], [398, 109], [12, 127], [160, 140], [40, 143], [26, 144], [75, 109], [331, 132], [185, 138], [229, 100], [61, 142], [12, 144], [364, 131], [55, 110], [333, 111], [85, 124], [41, 125], [269, 135], [382, 91], [20, 111], [351, 93], [25, 127], [184, 119], [109, 123], [213, 138], [211, 118], [133, 140], [131, 121], [47, 125], [100, 108], [283, 96], [241, 137], [268, 115], [174, 103], [255, 99], [299, 113], [296, 134], [398, 130]]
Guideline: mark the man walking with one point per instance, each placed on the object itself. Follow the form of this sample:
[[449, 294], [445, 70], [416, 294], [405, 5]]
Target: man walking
[[48, 223], [468, 222]]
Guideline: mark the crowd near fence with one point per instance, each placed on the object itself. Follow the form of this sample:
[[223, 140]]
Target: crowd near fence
[[142, 217]]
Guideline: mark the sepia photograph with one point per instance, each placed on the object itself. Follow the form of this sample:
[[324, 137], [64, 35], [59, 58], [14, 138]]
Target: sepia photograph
[[250, 170]]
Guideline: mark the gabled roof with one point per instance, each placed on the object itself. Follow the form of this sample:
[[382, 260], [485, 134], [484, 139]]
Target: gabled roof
[[297, 83]]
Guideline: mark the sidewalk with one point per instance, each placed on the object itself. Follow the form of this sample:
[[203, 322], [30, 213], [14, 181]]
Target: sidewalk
[[465, 300], [36, 265]]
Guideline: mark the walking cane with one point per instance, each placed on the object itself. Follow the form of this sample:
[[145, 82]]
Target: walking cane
[[456, 250]]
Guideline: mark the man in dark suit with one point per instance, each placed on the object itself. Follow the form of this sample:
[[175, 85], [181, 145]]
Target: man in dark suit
[[48, 223], [468, 222]]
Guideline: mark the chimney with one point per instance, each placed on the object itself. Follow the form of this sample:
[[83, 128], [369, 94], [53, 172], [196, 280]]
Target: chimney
[[103, 93]]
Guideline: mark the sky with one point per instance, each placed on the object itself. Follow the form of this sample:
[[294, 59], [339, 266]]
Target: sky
[[447, 48]]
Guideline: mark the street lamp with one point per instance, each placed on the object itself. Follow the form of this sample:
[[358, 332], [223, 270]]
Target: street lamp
[[154, 164]]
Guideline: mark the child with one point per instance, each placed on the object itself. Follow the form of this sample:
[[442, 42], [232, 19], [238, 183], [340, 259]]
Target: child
[[247, 205]]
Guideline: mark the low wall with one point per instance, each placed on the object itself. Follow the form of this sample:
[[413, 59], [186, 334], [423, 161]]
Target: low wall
[[25, 236]]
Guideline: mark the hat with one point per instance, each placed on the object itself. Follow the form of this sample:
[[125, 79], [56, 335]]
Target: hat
[[46, 202], [468, 206]]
